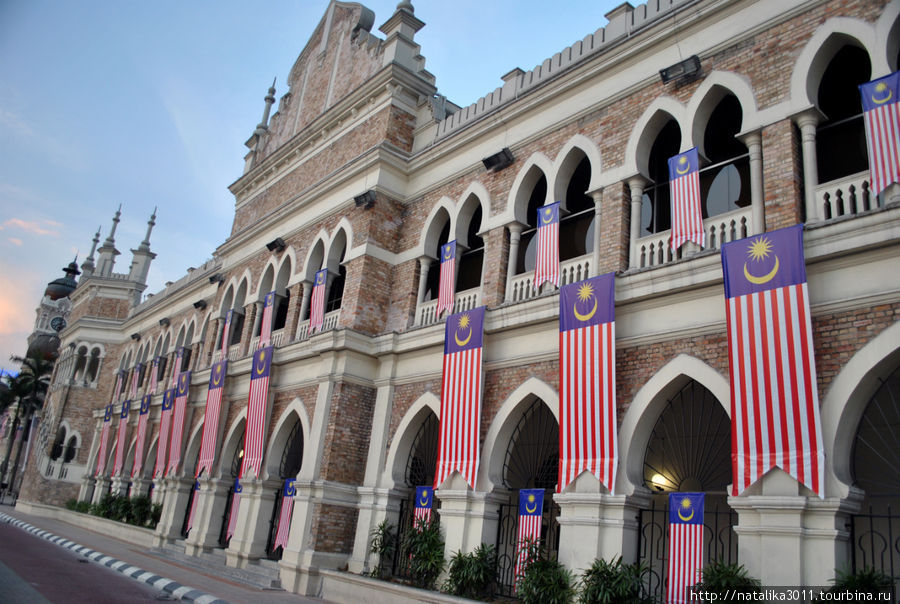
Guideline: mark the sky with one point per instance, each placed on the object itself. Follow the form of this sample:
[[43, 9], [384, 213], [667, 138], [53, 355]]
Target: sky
[[148, 105]]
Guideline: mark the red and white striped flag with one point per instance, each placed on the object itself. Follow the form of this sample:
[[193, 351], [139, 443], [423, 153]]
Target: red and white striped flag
[[546, 267], [284, 517], [254, 437], [684, 189], [587, 381], [423, 505], [447, 285], [774, 398], [461, 397], [531, 508], [175, 443], [135, 378], [176, 370], [104, 436], [881, 113], [120, 438], [317, 308], [265, 333], [141, 436], [226, 329], [685, 545], [120, 385], [235, 507], [211, 419], [154, 376], [165, 423]]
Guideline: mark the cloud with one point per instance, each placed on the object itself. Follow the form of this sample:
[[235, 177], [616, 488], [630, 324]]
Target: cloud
[[16, 241], [34, 227]]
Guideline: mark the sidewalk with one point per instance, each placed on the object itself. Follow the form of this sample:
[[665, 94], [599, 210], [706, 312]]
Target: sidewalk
[[157, 569]]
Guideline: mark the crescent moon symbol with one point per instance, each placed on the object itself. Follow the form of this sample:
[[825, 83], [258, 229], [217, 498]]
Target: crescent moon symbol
[[687, 168], [532, 509], [547, 216], [585, 317], [688, 519], [463, 342], [765, 278], [261, 364], [885, 99], [423, 502], [447, 253]]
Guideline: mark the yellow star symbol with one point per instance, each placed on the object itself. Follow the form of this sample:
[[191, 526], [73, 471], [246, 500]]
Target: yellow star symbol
[[759, 249], [464, 321], [686, 503], [585, 292]]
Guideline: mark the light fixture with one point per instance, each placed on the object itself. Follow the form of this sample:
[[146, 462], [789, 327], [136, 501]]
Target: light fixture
[[200, 304], [217, 278], [164, 322], [499, 160], [688, 67], [135, 336], [365, 200], [276, 245], [658, 481]]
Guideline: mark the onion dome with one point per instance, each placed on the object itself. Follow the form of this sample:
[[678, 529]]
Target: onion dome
[[62, 287]]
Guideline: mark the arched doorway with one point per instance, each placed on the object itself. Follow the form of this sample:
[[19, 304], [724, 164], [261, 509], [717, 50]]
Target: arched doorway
[[288, 468], [875, 531], [232, 472], [689, 450], [531, 461]]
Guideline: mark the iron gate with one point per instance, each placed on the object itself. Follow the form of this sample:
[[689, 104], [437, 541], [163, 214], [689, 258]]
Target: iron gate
[[875, 542], [507, 538]]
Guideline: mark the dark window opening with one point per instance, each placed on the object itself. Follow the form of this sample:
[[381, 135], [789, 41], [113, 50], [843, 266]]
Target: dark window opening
[[71, 450], [57, 448], [528, 243], [576, 232], [655, 204], [281, 308], [336, 290], [472, 260], [434, 272], [237, 327], [725, 185], [186, 358]]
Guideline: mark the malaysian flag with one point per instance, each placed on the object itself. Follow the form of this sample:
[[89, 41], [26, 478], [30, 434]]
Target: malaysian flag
[[104, 435], [531, 507], [265, 333], [120, 384], [211, 419], [154, 375], [135, 378], [587, 378], [254, 437], [684, 188], [175, 444], [546, 267], [120, 438], [225, 332], [235, 506], [194, 498], [447, 286], [423, 505], [284, 518], [881, 112], [774, 399], [317, 309], [165, 421], [141, 435], [176, 370], [461, 396], [685, 545]]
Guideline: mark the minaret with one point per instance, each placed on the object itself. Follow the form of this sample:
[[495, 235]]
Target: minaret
[[142, 256], [108, 251], [263, 125], [87, 268]]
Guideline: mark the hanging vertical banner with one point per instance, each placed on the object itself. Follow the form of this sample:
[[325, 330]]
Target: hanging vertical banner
[[154, 376], [176, 370], [461, 396], [235, 506], [226, 333], [254, 437], [211, 419], [194, 493], [881, 113], [141, 436], [546, 266], [531, 508], [423, 505], [317, 304], [175, 443], [685, 545], [587, 381], [684, 191], [104, 435], [774, 399], [284, 517], [447, 284], [165, 422], [120, 438], [265, 333], [120, 384]]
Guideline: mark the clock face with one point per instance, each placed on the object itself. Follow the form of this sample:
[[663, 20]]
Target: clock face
[[57, 323]]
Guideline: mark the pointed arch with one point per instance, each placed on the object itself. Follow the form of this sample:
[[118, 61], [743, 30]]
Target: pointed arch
[[277, 442], [403, 438], [567, 160], [266, 281], [233, 440], [498, 435], [716, 86], [441, 214], [192, 451], [536, 166], [315, 258], [646, 129], [637, 424]]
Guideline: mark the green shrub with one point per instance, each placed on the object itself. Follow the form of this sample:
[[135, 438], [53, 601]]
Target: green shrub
[[120, 509], [424, 545], [473, 575], [721, 578], [383, 544], [83, 507], [72, 504], [543, 580], [155, 514], [103, 508], [140, 510], [868, 580], [612, 582]]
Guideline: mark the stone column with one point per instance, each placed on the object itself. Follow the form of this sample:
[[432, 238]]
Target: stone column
[[753, 140], [807, 122], [304, 305], [293, 313], [515, 236], [252, 529], [424, 267], [468, 518], [249, 320], [636, 186], [214, 342], [175, 491], [257, 319], [211, 503], [597, 196]]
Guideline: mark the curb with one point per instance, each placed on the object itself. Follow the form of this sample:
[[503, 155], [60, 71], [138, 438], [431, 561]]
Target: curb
[[175, 589]]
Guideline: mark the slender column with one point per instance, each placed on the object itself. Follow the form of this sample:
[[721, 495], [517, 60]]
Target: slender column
[[293, 314], [257, 319], [595, 260], [214, 342], [515, 236], [424, 268], [807, 122], [249, 320], [304, 306], [753, 141], [636, 186]]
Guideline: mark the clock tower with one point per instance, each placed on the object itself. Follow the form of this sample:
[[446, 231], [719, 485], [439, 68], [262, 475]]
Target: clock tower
[[53, 313]]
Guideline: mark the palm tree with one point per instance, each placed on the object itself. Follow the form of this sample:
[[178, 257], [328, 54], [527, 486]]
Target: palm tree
[[29, 388]]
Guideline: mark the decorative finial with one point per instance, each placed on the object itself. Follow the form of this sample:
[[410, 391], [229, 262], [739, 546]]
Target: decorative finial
[[406, 5], [111, 240], [150, 224], [270, 100]]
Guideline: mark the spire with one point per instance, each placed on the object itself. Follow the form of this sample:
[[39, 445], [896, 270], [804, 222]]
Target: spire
[[407, 6], [111, 239], [88, 266], [270, 100], [145, 244], [108, 251], [141, 257]]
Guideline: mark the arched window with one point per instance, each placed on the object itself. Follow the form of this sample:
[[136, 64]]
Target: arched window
[[528, 243], [93, 367], [71, 449], [576, 227], [655, 204], [725, 184], [471, 259], [58, 443], [434, 272]]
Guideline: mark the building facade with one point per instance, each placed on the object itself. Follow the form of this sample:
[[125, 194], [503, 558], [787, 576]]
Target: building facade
[[365, 170]]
